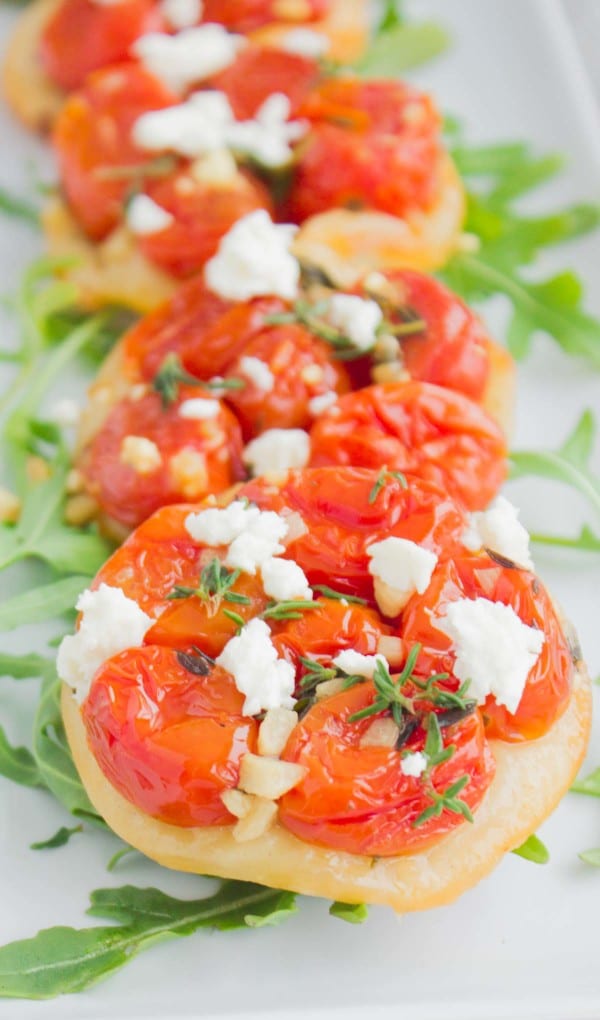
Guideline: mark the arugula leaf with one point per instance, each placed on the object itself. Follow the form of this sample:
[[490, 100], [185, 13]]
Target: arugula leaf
[[401, 46], [392, 16], [586, 541], [52, 753], [24, 667], [119, 855], [60, 838], [533, 850], [18, 208], [62, 960], [569, 464], [18, 764], [589, 785], [591, 857], [43, 603], [353, 913]]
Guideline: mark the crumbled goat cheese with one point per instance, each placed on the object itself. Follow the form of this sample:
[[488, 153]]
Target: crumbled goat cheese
[[141, 454], [321, 403], [285, 579], [269, 137], [306, 43], [258, 372], [181, 13], [356, 318], [277, 450], [251, 658], [413, 764], [500, 530], [191, 129], [110, 623], [402, 564], [258, 543], [144, 216], [494, 649], [217, 526], [354, 663], [254, 259], [190, 56], [199, 408]]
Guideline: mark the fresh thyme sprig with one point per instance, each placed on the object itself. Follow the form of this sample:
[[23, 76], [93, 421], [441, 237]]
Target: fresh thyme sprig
[[390, 695], [172, 374], [288, 609], [383, 478], [340, 596], [317, 673], [437, 754], [215, 585]]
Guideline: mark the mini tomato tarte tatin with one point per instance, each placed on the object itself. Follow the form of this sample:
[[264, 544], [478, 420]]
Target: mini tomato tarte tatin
[[293, 376], [334, 682]]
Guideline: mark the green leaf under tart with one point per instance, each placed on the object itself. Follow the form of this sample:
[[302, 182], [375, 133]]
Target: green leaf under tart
[[353, 913], [62, 960], [43, 603], [533, 850], [18, 764], [402, 47], [589, 785], [60, 838]]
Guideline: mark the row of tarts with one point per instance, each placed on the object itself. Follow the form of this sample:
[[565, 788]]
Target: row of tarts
[[320, 659]]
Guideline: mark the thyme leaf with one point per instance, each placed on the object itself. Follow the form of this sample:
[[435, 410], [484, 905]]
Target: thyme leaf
[[172, 374], [288, 609], [331, 593], [383, 478], [533, 850]]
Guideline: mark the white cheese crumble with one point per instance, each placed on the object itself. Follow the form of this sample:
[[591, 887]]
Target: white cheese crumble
[[413, 764], [191, 129], [144, 216], [251, 658], [141, 454], [401, 564], [321, 403], [182, 13], [277, 450], [500, 530], [356, 318], [190, 56], [258, 543], [494, 649], [258, 372], [110, 623], [305, 42], [285, 579], [216, 526], [66, 413], [354, 663], [199, 408], [269, 137], [254, 259]]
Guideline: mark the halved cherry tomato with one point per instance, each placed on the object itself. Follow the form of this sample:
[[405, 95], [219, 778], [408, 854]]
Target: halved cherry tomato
[[156, 557], [452, 350], [197, 456], [302, 368], [333, 629], [168, 738], [204, 622], [246, 15], [357, 798], [344, 516], [548, 686], [98, 160], [258, 72], [419, 429], [202, 214], [83, 36], [372, 145]]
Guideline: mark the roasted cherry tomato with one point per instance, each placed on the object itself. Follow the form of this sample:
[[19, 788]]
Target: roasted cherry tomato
[[83, 36], [98, 161], [301, 367], [452, 350], [548, 686], [246, 15], [372, 145], [356, 798], [154, 559], [202, 214], [322, 635], [345, 511], [419, 429], [146, 455], [168, 736], [258, 72]]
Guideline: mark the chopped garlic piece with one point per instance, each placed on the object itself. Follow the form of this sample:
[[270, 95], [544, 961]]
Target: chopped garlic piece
[[275, 730], [268, 777], [141, 454]]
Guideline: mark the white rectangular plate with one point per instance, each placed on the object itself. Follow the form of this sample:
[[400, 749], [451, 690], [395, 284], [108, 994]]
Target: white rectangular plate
[[524, 943]]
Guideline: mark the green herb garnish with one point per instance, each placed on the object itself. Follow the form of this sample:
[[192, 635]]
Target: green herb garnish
[[383, 478], [216, 583], [172, 374], [340, 596], [353, 913], [288, 609], [60, 838], [533, 850]]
